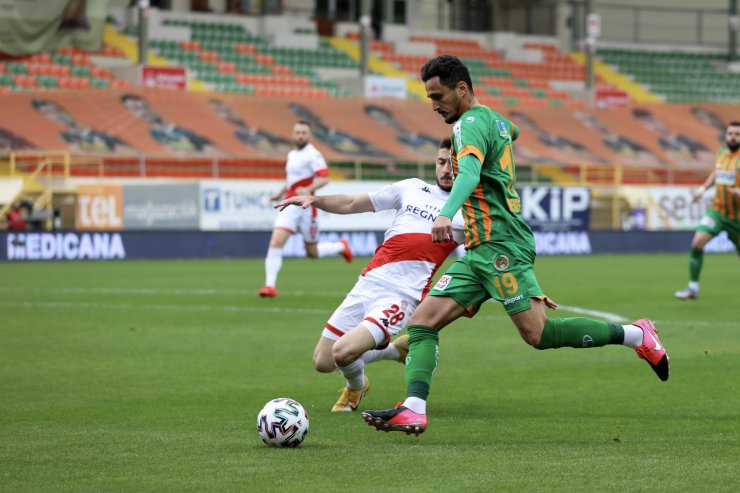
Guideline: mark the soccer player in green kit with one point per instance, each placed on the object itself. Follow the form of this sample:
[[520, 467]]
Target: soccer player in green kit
[[724, 214], [500, 253]]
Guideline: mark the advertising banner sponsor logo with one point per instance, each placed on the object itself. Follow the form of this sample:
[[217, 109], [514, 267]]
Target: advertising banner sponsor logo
[[64, 246], [161, 206], [245, 205], [659, 208], [237, 205], [556, 208], [672, 208], [720, 244], [612, 98], [164, 77], [385, 87], [99, 207], [562, 242]]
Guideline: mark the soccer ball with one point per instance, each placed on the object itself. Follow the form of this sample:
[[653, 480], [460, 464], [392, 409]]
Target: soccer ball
[[282, 423]]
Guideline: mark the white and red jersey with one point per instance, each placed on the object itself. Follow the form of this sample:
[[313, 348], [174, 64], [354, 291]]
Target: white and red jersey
[[407, 259], [302, 167]]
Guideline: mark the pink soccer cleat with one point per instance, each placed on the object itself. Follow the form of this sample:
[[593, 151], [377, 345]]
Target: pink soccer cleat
[[399, 418], [651, 350]]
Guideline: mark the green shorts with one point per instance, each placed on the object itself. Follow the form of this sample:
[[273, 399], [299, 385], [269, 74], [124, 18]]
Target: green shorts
[[713, 222], [491, 270]]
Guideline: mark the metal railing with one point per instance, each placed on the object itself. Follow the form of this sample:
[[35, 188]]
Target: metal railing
[[64, 164], [604, 180]]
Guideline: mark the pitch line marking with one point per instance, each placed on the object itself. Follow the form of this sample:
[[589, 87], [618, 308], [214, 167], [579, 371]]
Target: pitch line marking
[[129, 306], [611, 317]]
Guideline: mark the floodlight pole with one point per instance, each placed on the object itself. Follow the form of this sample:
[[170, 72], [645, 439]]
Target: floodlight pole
[[589, 48], [143, 7], [734, 25], [364, 37]]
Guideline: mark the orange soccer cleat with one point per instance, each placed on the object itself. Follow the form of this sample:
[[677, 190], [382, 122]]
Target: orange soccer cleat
[[347, 251], [267, 292]]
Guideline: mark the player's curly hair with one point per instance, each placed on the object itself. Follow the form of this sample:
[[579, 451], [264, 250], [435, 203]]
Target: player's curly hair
[[449, 69]]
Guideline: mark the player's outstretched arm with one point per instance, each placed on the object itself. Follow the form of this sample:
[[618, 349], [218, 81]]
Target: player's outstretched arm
[[337, 204], [708, 183]]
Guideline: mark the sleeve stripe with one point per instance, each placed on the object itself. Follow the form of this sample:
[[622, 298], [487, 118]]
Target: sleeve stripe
[[470, 149]]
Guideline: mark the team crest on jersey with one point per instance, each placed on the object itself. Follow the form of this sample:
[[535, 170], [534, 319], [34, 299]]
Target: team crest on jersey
[[501, 262], [443, 282], [404, 304], [502, 131]]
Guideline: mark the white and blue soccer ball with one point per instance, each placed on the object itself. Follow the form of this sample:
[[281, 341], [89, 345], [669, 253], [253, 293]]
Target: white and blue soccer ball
[[282, 423]]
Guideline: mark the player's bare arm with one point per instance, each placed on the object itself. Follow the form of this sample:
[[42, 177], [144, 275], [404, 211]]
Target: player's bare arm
[[336, 204], [708, 183]]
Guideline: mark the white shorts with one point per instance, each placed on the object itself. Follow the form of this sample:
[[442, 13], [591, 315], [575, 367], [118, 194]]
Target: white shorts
[[296, 219], [380, 310]]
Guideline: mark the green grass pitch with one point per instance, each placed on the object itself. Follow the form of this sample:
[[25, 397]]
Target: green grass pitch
[[148, 376]]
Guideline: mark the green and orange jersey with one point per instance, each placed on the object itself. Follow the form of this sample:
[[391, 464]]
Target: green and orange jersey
[[493, 211], [727, 176]]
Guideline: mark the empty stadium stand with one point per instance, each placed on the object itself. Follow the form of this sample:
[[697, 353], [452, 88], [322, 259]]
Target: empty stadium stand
[[232, 59], [680, 77], [160, 123], [66, 69]]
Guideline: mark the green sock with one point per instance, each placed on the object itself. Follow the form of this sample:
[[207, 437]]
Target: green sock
[[421, 360], [579, 332], [695, 261]]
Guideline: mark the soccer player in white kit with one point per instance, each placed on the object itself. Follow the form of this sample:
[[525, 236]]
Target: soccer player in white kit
[[393, 283], [306, 171]]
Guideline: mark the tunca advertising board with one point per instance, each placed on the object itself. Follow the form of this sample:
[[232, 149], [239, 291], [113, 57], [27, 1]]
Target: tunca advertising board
[[246, 206]]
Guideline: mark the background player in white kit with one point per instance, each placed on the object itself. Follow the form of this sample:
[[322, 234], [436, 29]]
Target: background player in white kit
[[306, 171], [391, 286]]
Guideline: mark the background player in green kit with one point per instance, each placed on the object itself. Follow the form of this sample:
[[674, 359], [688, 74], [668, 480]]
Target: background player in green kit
[[499, 262], [724, 214]]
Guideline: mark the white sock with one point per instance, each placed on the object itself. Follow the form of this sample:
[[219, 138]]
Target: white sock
[[694, 286], [417, 405], [273, 262], [380, 354], [330, 248], [632, 336], [354, 373]]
